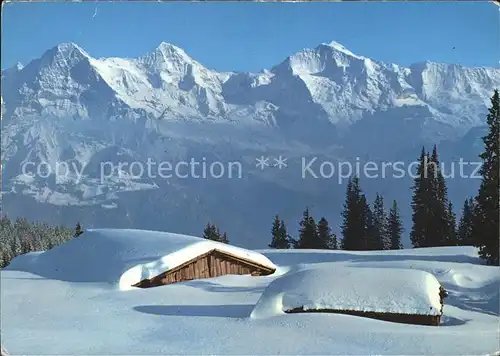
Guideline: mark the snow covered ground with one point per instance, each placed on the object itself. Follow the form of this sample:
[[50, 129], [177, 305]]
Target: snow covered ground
[[61, 313]]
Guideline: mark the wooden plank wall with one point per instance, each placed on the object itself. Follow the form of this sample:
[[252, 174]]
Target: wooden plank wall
[[212, 264]]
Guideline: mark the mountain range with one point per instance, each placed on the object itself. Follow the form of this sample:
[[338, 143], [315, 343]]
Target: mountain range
[[325, 104]]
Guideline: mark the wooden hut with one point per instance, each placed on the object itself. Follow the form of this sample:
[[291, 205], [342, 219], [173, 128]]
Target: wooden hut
[[407, 296], [430, 319], [213, 263]]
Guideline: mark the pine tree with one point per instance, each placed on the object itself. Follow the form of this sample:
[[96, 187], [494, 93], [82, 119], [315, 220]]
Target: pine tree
[[464, 234], [275, 232], [369, 239], [394, 227], [284, 237], [379, 223], [431, 209], [224, 239], [354, 217], [442, 228], [279, 234], [211, 232], [420, 203], [78, 230], [326, 239], [486, 219], [451, 237], [308, 236]]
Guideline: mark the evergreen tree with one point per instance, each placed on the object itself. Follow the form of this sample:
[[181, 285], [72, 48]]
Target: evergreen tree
[[24, 236], [354, 217], [442, 227], [326, 239], [464, 234], [394, 227], [308, 236], [486, 219], [78, 229], [451, 237], [211, 232], [369, 239], [420, 203], [284, 237], [224, 238], [280, 239], [379, 224], [275, 232], [431, 216]]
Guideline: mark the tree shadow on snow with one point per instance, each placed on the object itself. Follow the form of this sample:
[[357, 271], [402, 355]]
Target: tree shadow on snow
[[219, 311]]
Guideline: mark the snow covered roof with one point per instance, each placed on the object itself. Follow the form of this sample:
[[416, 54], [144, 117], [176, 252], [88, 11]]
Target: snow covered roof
[[381, 290], [123, 256]]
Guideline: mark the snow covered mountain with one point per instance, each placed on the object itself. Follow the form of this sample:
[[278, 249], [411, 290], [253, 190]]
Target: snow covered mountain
[[326, 102]]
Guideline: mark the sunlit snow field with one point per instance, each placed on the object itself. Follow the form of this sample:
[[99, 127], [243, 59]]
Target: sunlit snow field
[[64, 301]]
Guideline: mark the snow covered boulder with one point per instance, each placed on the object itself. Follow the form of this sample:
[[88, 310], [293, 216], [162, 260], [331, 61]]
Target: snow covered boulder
[[397, 295], [140, 258]]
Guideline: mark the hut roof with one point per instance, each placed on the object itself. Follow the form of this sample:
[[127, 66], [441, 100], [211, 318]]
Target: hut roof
[[124, 256], [380, 290]]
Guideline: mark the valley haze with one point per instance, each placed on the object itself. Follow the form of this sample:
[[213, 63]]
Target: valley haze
[[325, 103]]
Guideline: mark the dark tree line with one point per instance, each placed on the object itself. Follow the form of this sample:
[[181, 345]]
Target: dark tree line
[[434, 223], [22, 236], [363, 228]]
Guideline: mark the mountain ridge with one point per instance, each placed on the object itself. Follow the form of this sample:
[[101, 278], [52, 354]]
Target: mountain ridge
[[341, 85], [325, 102]]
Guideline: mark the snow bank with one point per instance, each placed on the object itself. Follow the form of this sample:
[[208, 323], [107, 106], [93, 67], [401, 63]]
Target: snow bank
[[123, 257], [381, 290]]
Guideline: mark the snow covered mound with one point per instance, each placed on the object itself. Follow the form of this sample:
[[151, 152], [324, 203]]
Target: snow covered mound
[[388, 290], [122, 256]]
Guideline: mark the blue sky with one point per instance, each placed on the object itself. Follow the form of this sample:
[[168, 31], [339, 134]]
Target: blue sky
[[251, 36]]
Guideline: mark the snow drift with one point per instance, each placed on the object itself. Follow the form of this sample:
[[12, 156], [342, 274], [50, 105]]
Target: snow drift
[[123, 257], [212, 316]]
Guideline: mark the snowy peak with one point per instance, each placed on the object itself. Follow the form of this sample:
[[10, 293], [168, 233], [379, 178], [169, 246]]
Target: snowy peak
[[334, 45], [64, 55], [326, 58], [167, 57], [328, 82]]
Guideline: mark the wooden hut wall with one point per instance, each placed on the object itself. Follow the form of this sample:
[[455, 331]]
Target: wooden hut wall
[[211, 264]]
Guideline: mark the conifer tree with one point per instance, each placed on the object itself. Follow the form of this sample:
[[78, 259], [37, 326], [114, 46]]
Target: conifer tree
[[420, 203], [432, 217], [78, 229], [486, 212], [451, 237], [326, 239], [379, 223], [224, 238], [464, 233], [284, 237], [211, 232], [369, 237], [441, 217], [279, 234], [308, 236], [354, 217], [394, 227]]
